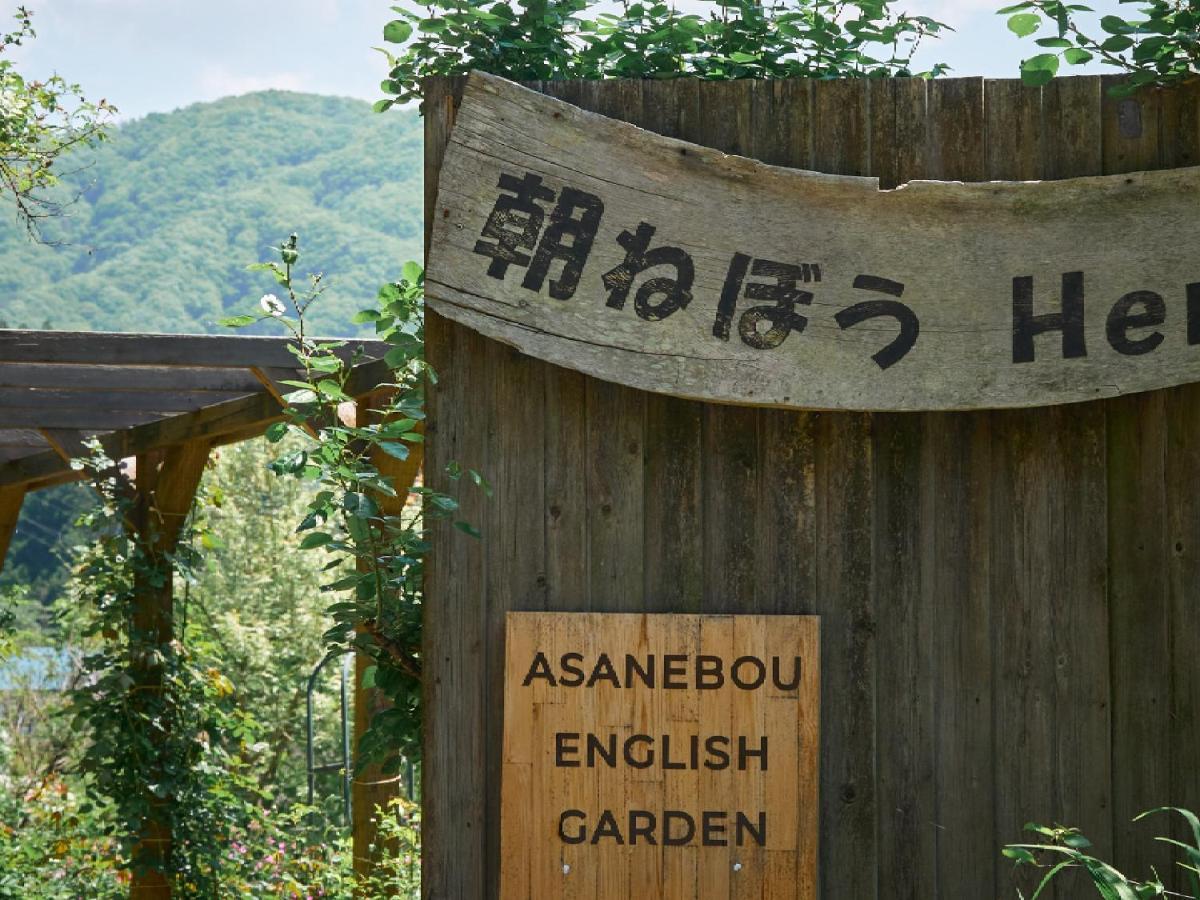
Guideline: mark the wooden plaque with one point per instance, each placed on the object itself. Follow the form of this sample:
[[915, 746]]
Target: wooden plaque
[[668, 267], [653, 755]]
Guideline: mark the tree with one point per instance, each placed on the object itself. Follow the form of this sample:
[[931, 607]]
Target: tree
[[40, 121]]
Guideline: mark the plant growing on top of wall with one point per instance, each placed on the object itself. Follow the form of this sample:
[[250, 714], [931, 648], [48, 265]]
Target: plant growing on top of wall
[[549, 39], [1066, 849], [1157, 45]]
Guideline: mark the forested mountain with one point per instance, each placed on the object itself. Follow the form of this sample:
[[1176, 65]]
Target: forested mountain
[[166, 216]]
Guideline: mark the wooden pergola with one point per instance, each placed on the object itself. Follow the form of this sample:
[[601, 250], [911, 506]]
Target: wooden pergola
[[159, 403]]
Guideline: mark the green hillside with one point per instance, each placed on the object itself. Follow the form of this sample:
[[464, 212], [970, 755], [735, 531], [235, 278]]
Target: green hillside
[[167, 215]]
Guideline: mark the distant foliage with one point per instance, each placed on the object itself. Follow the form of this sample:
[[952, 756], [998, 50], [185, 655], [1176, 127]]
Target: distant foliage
[[548, 39], [172, 202], [1065, 850], [1158, 43]]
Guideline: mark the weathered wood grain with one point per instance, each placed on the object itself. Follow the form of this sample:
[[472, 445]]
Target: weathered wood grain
[[188, 350], [970, 352], [976, 609], [1138, 560]]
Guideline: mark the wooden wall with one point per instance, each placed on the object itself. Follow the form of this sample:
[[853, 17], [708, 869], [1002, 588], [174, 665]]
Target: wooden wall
[[1010, 600]]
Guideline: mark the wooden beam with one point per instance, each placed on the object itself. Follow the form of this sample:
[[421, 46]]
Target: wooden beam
[[220, 423], [101, 399], [127, 377], [25, 417], [165, 483], [204, 350], [11, 499], [22, 438]]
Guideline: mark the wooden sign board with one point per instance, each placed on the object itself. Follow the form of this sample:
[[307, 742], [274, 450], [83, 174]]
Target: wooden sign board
[[664, 266], [660, 756]]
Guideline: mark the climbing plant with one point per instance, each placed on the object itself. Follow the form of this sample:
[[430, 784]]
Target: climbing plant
[[162, 748], [373, 537], [547, 39]]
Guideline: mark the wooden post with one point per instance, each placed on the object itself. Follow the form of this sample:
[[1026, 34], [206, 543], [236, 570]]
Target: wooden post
[[10, 510], [370, 789], [165, 485]]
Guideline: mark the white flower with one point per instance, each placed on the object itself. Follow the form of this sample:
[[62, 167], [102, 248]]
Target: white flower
[[273, 305]]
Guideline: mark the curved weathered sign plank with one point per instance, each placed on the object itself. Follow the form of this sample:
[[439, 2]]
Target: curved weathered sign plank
[[593, 244]]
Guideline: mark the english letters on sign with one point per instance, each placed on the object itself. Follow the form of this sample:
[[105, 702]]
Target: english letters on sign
[[669, 267], [668, 743]]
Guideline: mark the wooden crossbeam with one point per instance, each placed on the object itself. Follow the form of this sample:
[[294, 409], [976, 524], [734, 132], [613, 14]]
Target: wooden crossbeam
[[126, 377], [16, 437], [220, 423], [24, 417], [101, 399], [196, 350]]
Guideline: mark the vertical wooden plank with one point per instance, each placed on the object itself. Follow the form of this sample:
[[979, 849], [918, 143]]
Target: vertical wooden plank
[[845, 599], [11, 499], [1139, 594], [1083, 756], [1026, 535], [846, 604], [955, 527], [513, 538], [730, 432], [674, 531], [905, 763], [453, 773], [1180, 138], [1139, 590], [780, 122], [1183, 516], [565, 427]]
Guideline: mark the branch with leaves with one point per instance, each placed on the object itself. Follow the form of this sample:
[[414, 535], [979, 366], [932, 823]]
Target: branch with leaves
[[40, 122], [1159, 45], [374, 536]]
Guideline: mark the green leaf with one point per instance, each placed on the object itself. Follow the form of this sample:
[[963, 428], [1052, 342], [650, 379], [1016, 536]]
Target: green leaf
[[1024, 24], [1077, 56], [1039, 70], [1054, 43], [412, 272], [382, 105], [366, 315], [237, 321], [1116, 25], [397, 31], [316, 539], [1116, 44], [331, 389], [392, 448], [276, 432], [1016, 7]]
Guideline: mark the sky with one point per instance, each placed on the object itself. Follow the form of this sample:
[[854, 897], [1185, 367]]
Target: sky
[[158, 55]]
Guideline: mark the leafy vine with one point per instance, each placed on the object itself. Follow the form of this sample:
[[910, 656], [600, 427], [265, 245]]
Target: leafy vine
[[373, 534]]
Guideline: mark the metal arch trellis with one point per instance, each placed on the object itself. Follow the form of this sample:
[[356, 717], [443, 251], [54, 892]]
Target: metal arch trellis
[[345, 764]]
